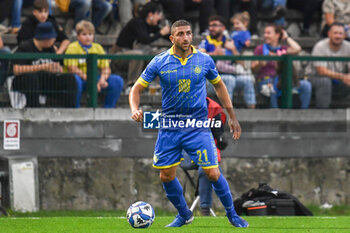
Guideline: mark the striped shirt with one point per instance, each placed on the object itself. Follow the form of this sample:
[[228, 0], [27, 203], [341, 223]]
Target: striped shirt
[[183, 82]]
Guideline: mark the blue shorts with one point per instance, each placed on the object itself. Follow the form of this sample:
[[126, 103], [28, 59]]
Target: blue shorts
[[198, 143]]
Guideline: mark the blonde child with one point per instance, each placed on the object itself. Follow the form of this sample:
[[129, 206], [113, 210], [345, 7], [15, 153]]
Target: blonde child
[[110, 83], [241, 35]]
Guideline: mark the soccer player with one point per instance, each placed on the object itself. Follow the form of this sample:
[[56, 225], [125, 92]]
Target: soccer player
[[183, 72]]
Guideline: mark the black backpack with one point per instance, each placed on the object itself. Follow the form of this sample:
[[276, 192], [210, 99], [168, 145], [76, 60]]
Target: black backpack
[[267, 201]]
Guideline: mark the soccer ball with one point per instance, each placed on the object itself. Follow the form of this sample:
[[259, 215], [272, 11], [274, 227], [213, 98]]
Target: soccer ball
[[140, 215]]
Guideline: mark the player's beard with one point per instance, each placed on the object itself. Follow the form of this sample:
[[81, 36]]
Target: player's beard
[[182, 47]]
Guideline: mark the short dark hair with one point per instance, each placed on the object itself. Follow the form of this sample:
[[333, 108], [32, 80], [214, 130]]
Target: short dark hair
[[217, 18], [336, 24], [41, 4], [149, 7], [180, 23]]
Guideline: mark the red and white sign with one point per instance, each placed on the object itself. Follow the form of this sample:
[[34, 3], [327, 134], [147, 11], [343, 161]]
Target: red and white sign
[[11, 135]]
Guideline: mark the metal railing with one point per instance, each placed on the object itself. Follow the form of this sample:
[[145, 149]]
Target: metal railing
[[92, 68]]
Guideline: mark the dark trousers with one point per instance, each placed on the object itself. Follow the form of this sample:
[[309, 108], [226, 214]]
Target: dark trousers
[[4, 65], [60, 89], [5, 9], [3, 70], [308, 8], [223, 9], [324, 90]]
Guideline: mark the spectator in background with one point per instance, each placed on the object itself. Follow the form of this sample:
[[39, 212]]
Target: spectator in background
[[81, 8], [331, 77], [35, 77], [278, 9], [177, 9], [41, 15], [335, 11], [3, 62], [126, 9], [17, 12], [241, 35], [216, 43], [251, 6], [143, 29], [267, 71], [138, 34], [110, 83]]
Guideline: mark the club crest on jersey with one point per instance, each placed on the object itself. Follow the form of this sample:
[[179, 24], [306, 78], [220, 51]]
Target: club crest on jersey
[[197, 70]]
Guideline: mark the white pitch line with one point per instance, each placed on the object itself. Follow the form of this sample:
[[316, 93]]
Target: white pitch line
[[289, 217]]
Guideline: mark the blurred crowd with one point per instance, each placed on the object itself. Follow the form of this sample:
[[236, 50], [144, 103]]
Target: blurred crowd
[[226, 27]]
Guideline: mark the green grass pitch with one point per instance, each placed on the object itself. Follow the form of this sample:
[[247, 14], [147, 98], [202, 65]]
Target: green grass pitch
[[73, 224]]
